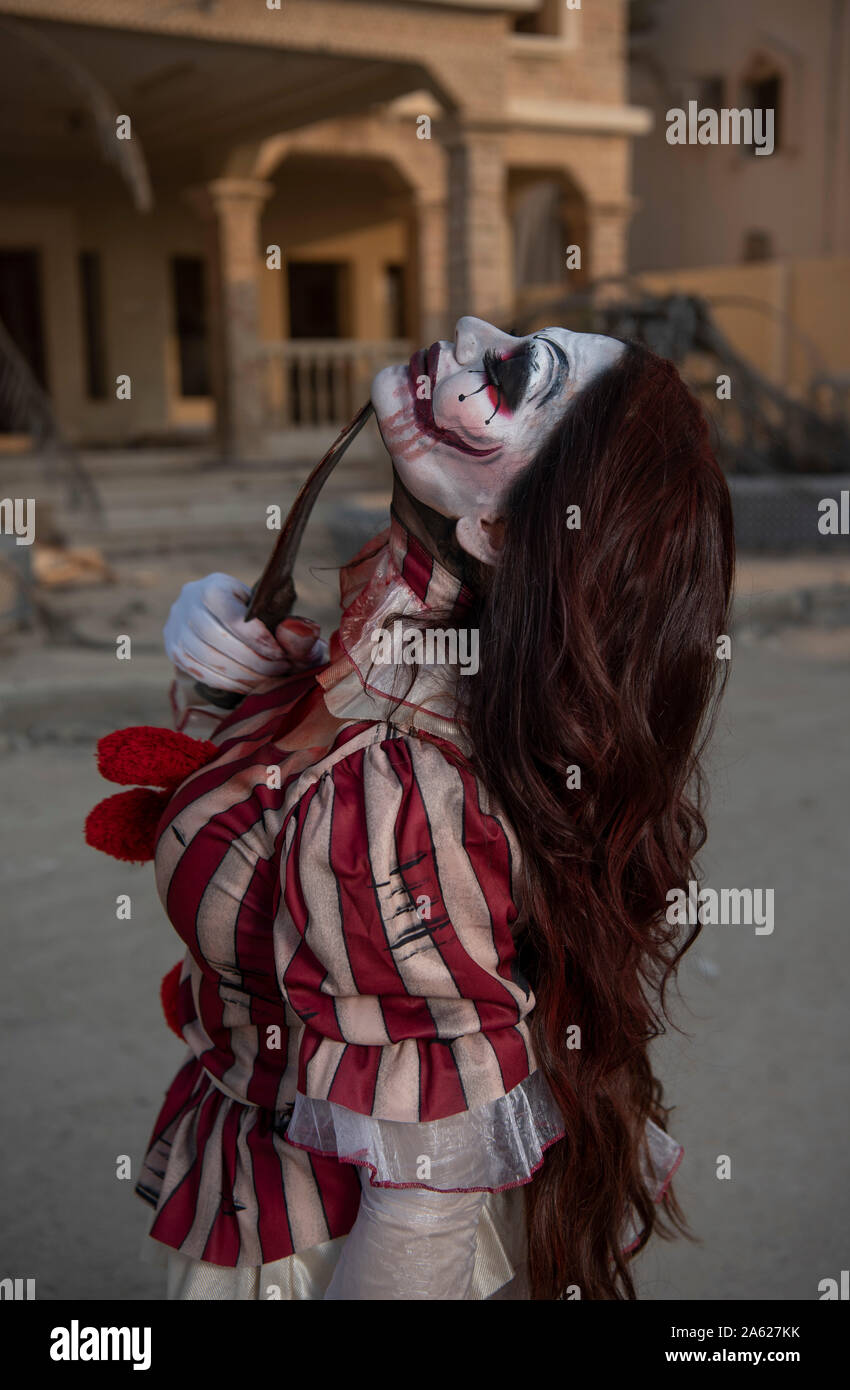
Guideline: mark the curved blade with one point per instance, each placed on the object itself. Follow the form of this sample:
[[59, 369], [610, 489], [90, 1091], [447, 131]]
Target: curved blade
[[274, 593]]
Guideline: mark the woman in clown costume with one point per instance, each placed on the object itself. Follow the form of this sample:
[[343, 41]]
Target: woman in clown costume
[[423, 905]]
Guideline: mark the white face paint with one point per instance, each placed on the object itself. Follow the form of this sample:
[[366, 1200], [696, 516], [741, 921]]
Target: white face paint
[[464, 418]]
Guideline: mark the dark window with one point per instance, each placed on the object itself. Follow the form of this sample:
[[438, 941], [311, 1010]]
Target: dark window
[[543, 20], [765, 94], [540, 233], [315, 311], [526, 24], [91, 293], [20, 313], [190, 312], [396, 316], [758, 245], [314, 299]]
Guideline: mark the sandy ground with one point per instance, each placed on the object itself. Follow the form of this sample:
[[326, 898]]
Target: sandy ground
[[761, 1076]]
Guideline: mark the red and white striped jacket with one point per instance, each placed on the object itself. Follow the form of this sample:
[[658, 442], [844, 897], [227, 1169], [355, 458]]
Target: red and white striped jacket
[[346, 891]]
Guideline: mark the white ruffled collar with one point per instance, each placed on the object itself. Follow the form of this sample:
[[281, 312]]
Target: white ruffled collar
[[394, 577]]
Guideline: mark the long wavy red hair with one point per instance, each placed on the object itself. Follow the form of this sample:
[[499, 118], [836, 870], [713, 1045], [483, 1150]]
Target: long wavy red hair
[[598, 650]]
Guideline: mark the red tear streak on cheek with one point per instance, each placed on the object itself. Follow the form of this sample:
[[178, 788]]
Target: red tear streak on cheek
[[493, 395]]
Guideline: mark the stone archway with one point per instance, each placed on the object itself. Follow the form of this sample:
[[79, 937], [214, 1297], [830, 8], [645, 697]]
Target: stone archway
[[352, 210], [339, 295], [413, 177], [550, 223]]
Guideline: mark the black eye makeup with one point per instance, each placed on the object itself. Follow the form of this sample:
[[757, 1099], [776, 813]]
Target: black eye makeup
[[509, 376], [559, 374]]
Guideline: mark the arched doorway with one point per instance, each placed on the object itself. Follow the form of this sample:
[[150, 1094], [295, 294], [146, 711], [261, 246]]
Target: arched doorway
[[548, 217], [344, 302]]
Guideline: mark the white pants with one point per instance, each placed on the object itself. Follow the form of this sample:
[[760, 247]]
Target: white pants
[[409, 1243], [406, 1243]]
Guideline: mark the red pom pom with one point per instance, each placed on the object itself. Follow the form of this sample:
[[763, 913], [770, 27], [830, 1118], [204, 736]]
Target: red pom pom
[[125, 825], [154, 757], [168, 992]]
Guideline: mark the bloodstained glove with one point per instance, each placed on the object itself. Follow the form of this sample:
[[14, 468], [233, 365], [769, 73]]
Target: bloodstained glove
[[207, 637]]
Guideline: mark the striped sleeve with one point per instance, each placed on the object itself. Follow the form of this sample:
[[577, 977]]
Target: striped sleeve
[[393, 943]]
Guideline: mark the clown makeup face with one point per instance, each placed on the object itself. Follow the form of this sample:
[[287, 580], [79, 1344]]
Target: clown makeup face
[[462, 419]]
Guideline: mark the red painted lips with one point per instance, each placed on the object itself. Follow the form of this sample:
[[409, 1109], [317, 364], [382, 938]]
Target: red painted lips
[[424, 363]]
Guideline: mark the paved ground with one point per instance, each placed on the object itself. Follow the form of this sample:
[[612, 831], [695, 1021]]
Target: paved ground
[[761, 1077]]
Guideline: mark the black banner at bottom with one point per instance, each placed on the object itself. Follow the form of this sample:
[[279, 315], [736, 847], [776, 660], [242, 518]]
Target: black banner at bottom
[[201, 1340]]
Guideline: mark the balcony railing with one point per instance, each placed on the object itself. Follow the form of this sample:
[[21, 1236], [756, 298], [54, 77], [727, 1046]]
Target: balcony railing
[[323, 381]]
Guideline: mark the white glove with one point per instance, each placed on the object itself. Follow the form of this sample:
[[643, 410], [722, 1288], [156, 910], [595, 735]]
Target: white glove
[[207, 637], [408, 1243]]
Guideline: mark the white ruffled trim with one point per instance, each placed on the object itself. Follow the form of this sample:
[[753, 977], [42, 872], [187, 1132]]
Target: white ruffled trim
[[489, 1148], [665, 1155]]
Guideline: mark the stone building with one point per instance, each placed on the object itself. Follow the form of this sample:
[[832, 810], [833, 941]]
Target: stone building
[[731, 204], [764, 238], [333, 182]]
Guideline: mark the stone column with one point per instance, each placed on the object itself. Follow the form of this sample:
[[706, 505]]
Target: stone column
[[480, 275], [430, 253], [608, 228], [232, 209]]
